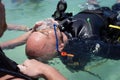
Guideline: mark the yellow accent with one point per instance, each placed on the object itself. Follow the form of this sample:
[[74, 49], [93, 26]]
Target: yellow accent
[[114, 26], [117, 27]]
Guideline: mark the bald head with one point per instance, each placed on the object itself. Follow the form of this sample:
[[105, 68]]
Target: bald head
[[41, 45]]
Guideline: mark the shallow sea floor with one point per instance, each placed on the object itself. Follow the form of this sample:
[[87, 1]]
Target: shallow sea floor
[[27, 13]]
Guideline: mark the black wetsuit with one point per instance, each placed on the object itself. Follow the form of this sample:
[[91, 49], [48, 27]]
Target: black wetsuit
[[7, 66], [92, 28], [89, 38]]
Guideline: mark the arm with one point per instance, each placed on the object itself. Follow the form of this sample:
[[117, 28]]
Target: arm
[[16, 42], [20, 40], [36, 69], [17, 27]]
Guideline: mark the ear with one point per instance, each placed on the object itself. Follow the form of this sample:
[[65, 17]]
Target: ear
[[61, 46]]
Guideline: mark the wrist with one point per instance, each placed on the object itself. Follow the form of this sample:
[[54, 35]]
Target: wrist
[[51, 73], [45, 71]]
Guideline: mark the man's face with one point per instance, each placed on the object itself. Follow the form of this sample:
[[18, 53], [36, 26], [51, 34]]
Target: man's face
[[3, 25]]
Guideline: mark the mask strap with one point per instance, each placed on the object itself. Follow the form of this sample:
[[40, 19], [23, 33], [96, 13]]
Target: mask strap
[[57, 43]]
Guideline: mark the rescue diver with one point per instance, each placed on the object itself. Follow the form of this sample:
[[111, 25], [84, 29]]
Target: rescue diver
[[77, 38], [9, 69]]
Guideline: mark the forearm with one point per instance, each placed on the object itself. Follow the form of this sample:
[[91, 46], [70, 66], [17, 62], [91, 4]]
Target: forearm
[[38, 69], [17, 27], [11, 44], [52, 74], [15, 42]]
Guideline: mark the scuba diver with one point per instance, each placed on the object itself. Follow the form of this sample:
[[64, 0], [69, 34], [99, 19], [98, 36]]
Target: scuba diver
[[78, 38], [90, 33], [8, 66]]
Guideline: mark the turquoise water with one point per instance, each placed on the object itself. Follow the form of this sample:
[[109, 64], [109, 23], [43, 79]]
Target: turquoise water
[[27, 13]]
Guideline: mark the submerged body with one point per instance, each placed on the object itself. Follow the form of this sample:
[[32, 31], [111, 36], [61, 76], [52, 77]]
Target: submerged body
[[85, 35]]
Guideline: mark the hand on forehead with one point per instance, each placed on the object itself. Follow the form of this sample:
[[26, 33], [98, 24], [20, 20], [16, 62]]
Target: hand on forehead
[[48, 23]]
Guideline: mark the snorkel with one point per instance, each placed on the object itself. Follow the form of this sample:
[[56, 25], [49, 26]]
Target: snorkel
[[64, 20], [69, 56], [60, 15]]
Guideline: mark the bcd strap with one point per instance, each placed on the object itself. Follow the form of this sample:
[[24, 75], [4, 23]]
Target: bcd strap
[[114, 26]]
